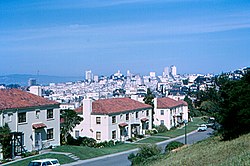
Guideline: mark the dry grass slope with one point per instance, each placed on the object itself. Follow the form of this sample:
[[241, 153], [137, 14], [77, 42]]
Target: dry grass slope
[[211, 152]]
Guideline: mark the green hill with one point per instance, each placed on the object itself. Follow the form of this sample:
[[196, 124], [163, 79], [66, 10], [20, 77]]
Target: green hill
[[212, 151]]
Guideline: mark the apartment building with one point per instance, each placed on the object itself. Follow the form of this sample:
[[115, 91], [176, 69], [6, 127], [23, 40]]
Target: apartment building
[[113, 119], [34, 121], [170, 112]]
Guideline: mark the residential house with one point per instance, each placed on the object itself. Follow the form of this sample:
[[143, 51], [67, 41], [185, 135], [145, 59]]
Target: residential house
[[113, 119], [170, 112], [34, 121]]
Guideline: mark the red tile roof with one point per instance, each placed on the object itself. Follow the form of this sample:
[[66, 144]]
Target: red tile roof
[[15, 98], [167, 102], [115, 105], [38, 125], [123, 124], [144, 119]]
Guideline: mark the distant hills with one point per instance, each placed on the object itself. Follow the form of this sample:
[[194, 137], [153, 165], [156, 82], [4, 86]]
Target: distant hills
[[22, 79]]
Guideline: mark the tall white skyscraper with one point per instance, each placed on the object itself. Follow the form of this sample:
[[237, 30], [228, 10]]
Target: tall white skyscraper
[[173, 70], [88, 75], [166, 72], [152, 74]]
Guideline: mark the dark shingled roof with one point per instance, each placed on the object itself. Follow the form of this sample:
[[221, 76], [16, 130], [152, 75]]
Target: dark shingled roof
[[167, 102], [15, 98]]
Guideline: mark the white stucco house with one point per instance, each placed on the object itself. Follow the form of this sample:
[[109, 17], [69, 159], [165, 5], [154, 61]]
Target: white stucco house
[[170, 112], [34, 121], [113, 119]]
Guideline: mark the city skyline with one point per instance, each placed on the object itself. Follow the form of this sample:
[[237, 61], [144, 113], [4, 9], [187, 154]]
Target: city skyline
[[61, 38]]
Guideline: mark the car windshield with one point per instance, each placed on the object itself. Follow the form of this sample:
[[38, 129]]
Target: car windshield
[[54, 161], [35, 164]]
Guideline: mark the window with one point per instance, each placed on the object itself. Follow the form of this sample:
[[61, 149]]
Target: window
[[147, 113], [77, 133], [37, 114], [127, 116], [98, 120], [98, 135], [136, 115], [49, 113], [50, 134], [113, 119], [10, 117], [22, 117], [162, 122], [114, 134], [162, 112]]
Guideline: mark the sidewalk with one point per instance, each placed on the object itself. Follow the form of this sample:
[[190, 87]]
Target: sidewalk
[[125, 152]]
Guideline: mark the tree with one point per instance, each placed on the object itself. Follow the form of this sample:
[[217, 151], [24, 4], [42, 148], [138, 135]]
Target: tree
[[5, 139], [210, 107], [149, 99], [234, 112], [70, 120]]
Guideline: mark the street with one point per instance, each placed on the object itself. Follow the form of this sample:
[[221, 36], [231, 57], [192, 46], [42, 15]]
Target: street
[[120, 159]]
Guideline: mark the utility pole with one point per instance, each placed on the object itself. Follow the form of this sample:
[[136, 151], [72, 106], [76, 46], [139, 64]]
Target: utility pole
[[185, 123]]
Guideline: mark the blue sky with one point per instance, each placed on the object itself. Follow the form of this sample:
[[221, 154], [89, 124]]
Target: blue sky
[[65, 38]]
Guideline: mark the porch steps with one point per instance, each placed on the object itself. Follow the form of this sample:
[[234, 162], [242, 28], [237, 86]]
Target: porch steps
[[74, 157]]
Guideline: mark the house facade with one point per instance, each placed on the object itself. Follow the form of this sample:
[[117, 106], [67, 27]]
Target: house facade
[[115, 119], [34, 121], [170, 112]]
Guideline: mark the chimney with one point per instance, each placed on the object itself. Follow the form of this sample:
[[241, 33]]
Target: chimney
[[87, 106]]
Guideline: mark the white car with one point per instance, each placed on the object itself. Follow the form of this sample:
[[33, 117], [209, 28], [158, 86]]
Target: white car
[[44, 162], [202, 127]]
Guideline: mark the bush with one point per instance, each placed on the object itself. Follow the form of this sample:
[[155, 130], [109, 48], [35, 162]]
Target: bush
[[151, 132], [132, 139], [162, 128], [145, 152], [140, 136], [173, 145], [90, 142]]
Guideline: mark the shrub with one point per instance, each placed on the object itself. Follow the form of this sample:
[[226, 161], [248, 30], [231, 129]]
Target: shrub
[[140, 136], [161, 128], [90, 142], [173, 145], [145, 152], [132, 139], [151, 132], [131, 156]]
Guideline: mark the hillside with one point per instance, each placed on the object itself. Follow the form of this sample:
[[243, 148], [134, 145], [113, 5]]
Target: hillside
[[210, 152]]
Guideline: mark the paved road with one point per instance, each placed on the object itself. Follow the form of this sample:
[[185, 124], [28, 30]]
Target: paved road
[[120, 159]]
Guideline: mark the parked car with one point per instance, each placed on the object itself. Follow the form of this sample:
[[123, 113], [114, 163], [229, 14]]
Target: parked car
[[211, 122], [202, 127], [44, 162]]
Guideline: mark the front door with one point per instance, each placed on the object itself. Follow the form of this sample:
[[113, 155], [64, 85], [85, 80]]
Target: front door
[[38, 140]]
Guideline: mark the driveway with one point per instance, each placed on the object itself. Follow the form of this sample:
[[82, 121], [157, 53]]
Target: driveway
[[121, 159]]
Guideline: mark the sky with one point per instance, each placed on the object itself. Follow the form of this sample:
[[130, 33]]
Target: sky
[[66, 38]]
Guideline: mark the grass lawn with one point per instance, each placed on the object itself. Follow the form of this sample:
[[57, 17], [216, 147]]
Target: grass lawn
[[211, 151], [61, 158], [84, 152], [152, 140], [177, 132]]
